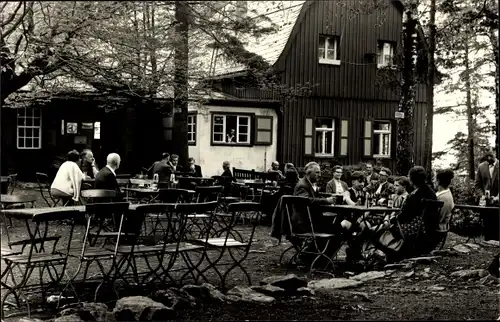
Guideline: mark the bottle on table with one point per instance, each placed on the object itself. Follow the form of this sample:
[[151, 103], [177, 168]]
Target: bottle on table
[[155, 181], [390, 201], [482, 201]]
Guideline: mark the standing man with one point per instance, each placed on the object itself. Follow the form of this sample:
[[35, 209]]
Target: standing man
[[487, 177]]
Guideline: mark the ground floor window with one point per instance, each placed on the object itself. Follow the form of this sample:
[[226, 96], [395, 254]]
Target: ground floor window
[[231, 129], [29, 128], [381, 139]]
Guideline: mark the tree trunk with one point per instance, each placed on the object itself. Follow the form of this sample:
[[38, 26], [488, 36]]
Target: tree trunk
[[468, 104], [404, 147], [179, 134], [431, 68]]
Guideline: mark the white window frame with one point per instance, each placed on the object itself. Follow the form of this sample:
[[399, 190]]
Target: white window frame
[[97, 130], [324, 131], [191, 122], [325, 60], [381, 133], [224, 133], [385, 54], [33, 127]]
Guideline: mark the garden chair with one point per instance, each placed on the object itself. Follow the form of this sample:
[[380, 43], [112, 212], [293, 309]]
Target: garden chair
[[43, 182], [98, 231], [91, 196], [236, 246], [12, 183], [50, 263], [172, 245], [306, 243], [172, 195], [430, 216]]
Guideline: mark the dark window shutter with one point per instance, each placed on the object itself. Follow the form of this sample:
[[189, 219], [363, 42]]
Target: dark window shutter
[[309, 136], [344, 137], [367, 138], [263, 130], [394, 137]]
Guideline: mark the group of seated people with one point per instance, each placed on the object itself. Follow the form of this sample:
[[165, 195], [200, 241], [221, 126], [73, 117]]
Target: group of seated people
[[67, 183], [168, 166], [406, 194]]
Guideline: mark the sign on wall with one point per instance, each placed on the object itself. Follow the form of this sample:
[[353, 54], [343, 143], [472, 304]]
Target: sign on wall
[[71, 128]]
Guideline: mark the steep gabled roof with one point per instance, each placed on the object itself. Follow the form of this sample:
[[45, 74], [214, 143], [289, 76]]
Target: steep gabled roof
[[284, 15]]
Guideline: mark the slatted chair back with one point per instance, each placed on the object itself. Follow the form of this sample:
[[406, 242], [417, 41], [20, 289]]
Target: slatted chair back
[[162, 211], [243, 174], [98, 195], [197, 208], [431, 212], [99, 216], [43, 182], [173, 195], [206, 194]]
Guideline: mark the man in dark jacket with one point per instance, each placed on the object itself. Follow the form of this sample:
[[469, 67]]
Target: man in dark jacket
[[106, 177], [487, 177], [194, 169]]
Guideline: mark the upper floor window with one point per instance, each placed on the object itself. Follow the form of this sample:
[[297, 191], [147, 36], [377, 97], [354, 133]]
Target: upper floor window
[[382, 138], [29, 128], [329, 50], [97, 130], [191, 120], [325, 134], [385, 54], [231, 129]]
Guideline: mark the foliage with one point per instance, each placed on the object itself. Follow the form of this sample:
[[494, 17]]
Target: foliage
[[465, 222]]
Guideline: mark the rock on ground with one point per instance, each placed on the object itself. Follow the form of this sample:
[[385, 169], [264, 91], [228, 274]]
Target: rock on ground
[[470, 273], [368, 276], [247, 294], [461, 249], [289, 283], [175, 298], [204, 292], [140, 308], [270, 290], [333, 283], [89, 311]]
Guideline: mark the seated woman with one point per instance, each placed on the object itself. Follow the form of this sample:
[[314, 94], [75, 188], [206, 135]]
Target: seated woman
[[68, 180]]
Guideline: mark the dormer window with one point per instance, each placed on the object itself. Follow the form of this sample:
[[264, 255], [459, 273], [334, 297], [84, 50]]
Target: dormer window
[[329, 50], [385, 54]]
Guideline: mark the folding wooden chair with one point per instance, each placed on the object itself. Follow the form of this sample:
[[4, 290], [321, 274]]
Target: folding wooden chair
[[235, 245], [307, 243], [51, 263], [108, 236], [44, 187], [173, 195], [91, 196], [159, 258], [12, 183], [431, 216]]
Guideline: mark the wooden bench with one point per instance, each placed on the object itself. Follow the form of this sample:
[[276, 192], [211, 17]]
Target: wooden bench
[[248, 174]]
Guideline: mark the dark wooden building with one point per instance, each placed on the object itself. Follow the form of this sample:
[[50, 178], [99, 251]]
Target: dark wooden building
[[338, 52], [36, 132]]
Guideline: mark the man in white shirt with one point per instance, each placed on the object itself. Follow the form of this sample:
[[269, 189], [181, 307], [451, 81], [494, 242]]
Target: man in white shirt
[[442, 182]]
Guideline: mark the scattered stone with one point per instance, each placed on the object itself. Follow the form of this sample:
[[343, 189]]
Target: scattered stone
[[427, 269], [333, 283], [247, 294], [396, 265], [424, 275], [488, 280], [440, 278], [436, 288], [204, 292], [349, 273], [445, 252], [470, 273], [29, 320], [175, 298], [69, 318], [409, 274], [269, 290], [140, 308], [461, 249], [364, 296], [490, 243], [473, 246], [290, 282], [89, 311], [368, 276], [305, 291], [259, 251], [423, 260]]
